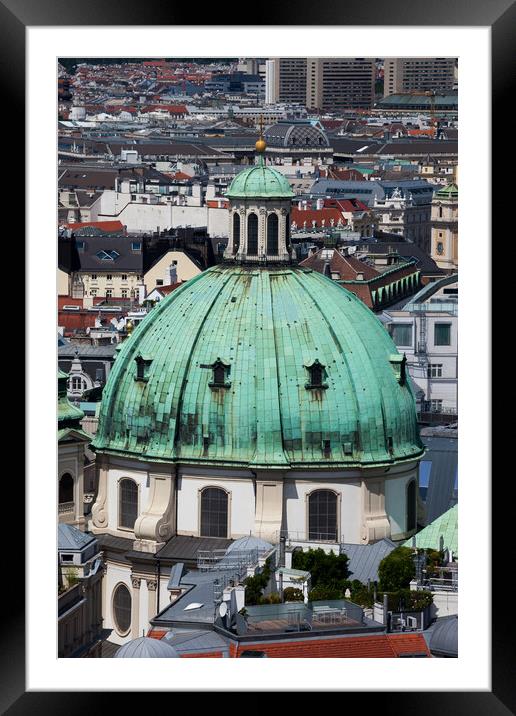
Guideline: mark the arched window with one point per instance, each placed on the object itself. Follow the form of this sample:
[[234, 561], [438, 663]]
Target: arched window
[[252, 235], [411, 506], [77, 383], [440, 212], [128, 503], [66, 488], [236, 232], [322, 516], [272, 234], [214, 512], [122, 609]]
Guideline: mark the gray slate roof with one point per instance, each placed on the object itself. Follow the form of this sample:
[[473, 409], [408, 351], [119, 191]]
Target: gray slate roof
[[195, 641], [67, 350], [442, 456], [182, 548], [146, 648], [443, 636], [70, 538], [365, 558], [201, 591]]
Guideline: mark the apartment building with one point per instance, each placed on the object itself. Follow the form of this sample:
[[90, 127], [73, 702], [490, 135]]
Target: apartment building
[[413, 74], [335, 84], [319, 83]]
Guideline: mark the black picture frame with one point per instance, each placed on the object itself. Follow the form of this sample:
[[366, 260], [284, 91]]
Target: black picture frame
[[500, 16]]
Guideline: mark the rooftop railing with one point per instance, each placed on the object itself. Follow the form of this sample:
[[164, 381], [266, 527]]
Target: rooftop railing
[[294, 617]]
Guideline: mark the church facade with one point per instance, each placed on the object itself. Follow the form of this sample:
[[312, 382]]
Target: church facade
[[259, 398]]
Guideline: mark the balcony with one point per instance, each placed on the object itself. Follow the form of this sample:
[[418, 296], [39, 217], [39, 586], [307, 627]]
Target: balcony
[[299, 617], [65, 507]]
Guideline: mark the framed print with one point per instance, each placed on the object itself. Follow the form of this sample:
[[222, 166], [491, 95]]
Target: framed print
[[195, 180]]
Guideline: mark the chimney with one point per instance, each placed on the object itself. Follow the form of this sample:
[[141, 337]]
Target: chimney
[[171, 276]]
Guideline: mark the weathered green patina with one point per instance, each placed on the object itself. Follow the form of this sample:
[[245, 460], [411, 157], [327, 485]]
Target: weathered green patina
[[445, 526], [262, 329], [68, 415], [450, 191], [260, 182]]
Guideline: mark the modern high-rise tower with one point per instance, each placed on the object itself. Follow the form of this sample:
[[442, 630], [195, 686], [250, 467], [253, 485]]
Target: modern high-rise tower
[[412, 74], [334, 84], [319, 83]]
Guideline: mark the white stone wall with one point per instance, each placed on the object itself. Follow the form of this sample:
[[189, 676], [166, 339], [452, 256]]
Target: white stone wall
[[71, 460], [295, 498], [241, 503], [218, 222], [114, 477], [114, 574], [396, 502]]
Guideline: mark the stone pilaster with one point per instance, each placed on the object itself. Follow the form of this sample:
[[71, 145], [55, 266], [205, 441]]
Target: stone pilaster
[[135, 611], [375, 523], [99, 509], [156, 524], [152, 585], [269, 506]]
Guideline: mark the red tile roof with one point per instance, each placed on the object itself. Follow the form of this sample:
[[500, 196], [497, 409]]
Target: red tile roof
[[347, 267], [343, 174], [299, 216], [219, 203], [408, 644], [170, 108], [156, 633], [347, 647], [68, 301], [347, 205], [165, 290], [109, 226], [179, 176]]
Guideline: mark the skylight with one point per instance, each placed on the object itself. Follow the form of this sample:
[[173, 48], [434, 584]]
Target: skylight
[[193, 605], [107, 255]]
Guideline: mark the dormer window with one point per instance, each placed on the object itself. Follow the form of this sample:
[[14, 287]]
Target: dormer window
[[316, 376], [399, 364], [220, 374], [143, 364]]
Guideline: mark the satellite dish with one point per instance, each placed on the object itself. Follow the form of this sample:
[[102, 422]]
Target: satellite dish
[[223, 609]]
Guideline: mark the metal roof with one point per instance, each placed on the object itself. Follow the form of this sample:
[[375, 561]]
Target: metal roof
[[260, 181], [71, 538], [445, 526], [146, 648], [443, 636], [364, 559], [438, 475], [184, 548], [268, 326], [196, 641]]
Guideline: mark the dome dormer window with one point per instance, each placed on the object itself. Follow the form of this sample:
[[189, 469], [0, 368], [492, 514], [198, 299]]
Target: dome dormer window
[[316, 376], [220, 374], [399, 364], [143, 364]]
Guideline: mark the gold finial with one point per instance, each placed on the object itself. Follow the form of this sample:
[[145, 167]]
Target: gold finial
[[260, 144], [129, 325]]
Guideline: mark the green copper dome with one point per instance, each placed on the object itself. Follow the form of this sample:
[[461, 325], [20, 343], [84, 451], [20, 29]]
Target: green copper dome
[[259, 182], [67, 414], [450, 191], [222, 372]]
